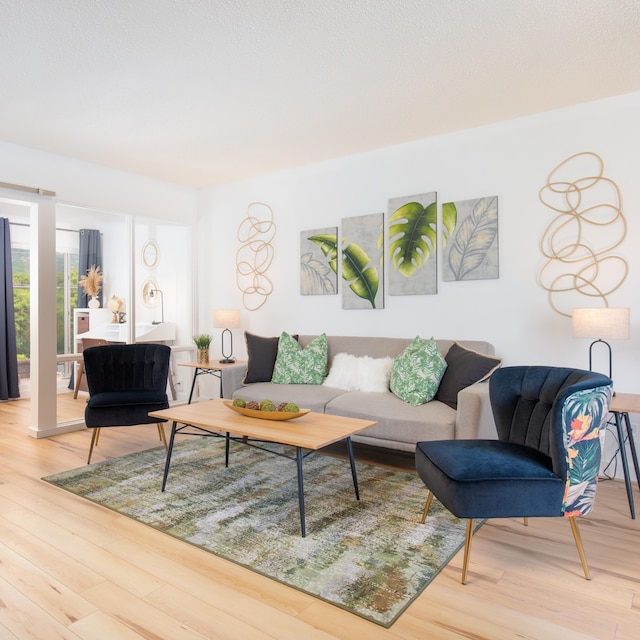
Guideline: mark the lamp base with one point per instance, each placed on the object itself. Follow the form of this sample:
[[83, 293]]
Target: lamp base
[[606, 344], [227, 358]]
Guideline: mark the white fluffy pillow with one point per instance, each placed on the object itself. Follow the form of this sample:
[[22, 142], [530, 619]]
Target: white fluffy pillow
[[353, 373]]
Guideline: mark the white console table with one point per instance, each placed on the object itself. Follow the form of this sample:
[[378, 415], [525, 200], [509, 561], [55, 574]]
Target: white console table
[[96, 324], [145, 332]]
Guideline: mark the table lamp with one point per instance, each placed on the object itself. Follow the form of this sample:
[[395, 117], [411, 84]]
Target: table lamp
[[226, 319], [152, 295], [601, 324], [114, 305]]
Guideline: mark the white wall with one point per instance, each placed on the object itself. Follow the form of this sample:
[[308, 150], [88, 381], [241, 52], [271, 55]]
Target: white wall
[[172, 273], [90, 185], [511, 160]]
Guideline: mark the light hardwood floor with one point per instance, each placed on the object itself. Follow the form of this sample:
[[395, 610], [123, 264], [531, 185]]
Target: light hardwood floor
[[72, 569]]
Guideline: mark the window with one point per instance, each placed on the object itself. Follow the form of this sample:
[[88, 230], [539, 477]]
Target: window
[[20, 263], [66, 298]]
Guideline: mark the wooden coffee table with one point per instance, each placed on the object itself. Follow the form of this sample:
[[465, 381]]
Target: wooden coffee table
[[307, 434]]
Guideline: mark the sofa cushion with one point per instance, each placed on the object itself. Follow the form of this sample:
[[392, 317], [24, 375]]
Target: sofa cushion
[[397, 421], [122, 398], [306, 396], [359, 373], [297, 365], [464, 368], [417, 371], [469, 474], [261, 357]]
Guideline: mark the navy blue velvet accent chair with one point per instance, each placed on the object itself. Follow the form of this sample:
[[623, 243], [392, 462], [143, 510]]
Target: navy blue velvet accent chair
[[126, 382], [546, 459]]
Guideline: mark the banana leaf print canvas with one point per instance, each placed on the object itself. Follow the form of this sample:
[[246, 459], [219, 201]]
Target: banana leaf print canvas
[[470, 238], [413, 245], [362, 262], [318, 262]]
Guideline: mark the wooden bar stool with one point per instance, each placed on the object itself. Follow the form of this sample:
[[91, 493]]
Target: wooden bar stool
[[86, 343]]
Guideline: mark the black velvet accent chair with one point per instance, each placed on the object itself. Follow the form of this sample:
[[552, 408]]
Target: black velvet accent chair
[[545, 461], [126, 382]]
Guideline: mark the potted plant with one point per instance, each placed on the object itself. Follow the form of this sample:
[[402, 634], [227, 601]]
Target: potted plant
[[202, 342], [91, 285]]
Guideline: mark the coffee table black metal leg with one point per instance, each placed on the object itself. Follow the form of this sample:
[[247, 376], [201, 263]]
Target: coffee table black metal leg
[[353, 468], [625, 464], [226, 450], [301, 490], [632, 446], [167, 462]]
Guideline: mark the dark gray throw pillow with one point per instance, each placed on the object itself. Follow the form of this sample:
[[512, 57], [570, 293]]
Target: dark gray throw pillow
[[261, 357], [464, 368]]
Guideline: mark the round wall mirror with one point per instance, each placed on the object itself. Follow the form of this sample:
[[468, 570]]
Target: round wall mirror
[[150, 254]]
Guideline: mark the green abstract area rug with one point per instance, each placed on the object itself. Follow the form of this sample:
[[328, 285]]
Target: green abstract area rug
[[371, 557]]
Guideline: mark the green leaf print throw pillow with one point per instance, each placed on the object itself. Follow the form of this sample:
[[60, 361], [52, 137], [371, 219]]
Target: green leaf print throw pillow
[[417, 371], [295, 365]]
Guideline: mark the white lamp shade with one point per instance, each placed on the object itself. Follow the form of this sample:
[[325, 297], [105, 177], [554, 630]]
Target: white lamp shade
[[226, 318], [602, 324]]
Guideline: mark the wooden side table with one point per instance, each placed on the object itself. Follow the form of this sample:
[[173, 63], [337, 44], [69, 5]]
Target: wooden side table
[[213, 368], [622, 404]]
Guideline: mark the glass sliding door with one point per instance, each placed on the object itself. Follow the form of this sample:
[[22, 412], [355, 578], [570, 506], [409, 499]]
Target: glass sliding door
[[20, 258], [66, 299]]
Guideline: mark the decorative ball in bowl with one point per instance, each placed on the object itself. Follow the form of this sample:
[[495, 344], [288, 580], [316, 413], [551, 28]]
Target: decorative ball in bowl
[[266, 410]]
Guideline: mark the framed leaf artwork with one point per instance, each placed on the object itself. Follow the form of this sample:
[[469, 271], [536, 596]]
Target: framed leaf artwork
[[362, 262], [470, 234], [412, 252], [319, 262]]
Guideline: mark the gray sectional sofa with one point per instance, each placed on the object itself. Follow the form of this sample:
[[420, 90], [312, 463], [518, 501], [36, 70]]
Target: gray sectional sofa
[[399, 424]]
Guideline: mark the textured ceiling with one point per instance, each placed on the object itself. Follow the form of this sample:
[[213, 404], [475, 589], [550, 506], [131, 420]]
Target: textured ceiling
[[203, 92]]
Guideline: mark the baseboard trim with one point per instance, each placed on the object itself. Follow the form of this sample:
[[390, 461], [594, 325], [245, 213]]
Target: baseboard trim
[[47, 432]]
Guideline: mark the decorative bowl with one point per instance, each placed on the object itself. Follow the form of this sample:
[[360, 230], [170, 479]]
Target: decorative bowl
[[266, 415]]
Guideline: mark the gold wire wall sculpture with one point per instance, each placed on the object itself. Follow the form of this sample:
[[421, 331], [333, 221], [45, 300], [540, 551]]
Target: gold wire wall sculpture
[[579, 242], [255, 255]]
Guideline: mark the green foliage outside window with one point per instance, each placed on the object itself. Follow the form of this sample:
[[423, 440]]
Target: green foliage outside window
[[21, 303], [22, 299]]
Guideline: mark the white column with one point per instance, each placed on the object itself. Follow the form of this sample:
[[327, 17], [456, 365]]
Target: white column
[[43, 317]]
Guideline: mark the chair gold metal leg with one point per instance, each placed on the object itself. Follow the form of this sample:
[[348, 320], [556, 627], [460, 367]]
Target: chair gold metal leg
[[426, 507], [467, 550], [526, 521], [97, 435], [578, 539], [162, 435], [94, 442]]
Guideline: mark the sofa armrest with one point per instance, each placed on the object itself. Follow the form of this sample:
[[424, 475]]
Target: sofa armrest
[[474, 417], [232, 377]]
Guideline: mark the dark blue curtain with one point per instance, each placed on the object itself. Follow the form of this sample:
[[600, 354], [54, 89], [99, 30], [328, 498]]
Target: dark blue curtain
[[9, 387], [89, 255]]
